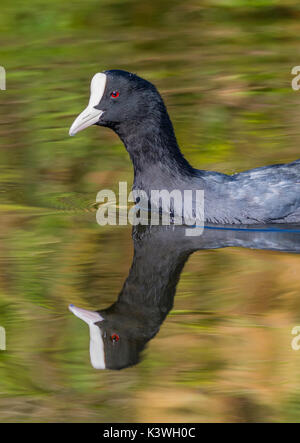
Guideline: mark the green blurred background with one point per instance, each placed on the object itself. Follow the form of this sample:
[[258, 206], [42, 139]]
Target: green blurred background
[[224, 70]]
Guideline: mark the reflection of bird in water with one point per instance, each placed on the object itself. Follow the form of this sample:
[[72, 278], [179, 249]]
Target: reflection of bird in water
[[119, 333]]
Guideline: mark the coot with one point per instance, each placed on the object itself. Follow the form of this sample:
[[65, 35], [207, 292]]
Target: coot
[[134, 109]]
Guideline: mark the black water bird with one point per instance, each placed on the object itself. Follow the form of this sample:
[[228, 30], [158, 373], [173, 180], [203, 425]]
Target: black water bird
[[119, 333], [133, 108]]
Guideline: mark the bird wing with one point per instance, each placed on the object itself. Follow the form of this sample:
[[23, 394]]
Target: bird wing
[[266, 194]]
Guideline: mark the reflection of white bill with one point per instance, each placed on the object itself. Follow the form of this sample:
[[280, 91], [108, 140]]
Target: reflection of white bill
[[2, 339], [96, 339]]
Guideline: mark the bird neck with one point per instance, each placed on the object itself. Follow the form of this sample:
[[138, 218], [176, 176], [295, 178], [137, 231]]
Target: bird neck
[[153, 149]]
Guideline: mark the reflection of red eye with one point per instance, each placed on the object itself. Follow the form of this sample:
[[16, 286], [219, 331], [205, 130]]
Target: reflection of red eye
[[115, 94], [115, 338]]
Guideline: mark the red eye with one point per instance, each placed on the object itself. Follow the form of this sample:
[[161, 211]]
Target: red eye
[[115, 338], [115, 94]]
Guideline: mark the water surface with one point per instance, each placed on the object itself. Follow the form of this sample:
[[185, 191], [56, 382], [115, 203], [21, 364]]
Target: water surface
[[224, 351]]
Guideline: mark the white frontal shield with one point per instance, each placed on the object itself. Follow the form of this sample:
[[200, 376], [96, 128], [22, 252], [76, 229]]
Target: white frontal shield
[[91, 115]]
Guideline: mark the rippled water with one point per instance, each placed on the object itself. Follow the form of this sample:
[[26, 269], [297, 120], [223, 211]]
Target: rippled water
[[224, 352]]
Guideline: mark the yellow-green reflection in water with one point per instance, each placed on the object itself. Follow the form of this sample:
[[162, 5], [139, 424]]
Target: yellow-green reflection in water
[[223, 67]]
